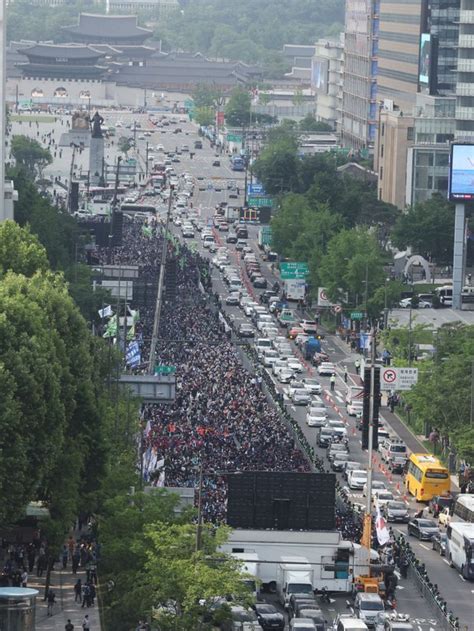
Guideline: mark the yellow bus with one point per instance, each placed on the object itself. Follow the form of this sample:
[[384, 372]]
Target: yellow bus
[[426, 477]]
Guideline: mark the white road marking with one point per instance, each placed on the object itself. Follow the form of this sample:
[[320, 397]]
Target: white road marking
[[462, 578], [447, 563], [423, 546]]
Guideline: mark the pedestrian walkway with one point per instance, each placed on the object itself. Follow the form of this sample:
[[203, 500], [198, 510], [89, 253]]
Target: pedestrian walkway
[[62, 582]]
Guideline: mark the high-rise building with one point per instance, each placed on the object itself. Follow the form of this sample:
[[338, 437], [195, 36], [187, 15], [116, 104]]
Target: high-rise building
[[417, 78], [465, 75], [359, 97], [326, 79], [399, 52]]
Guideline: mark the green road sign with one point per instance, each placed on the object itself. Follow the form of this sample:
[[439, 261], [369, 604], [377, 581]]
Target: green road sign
[[258, 202], [234, 138], [357, 315], [164, 370], [289, 271]]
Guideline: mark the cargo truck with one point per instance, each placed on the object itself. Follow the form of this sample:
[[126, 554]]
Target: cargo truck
[[294, 577], [250, 566], [334, 562]]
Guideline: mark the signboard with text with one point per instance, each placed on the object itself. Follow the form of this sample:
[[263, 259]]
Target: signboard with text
[[392, 378], [258, 202], [289, 271]]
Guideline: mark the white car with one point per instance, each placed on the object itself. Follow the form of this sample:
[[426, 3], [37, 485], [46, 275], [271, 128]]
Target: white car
[[377, 485], [318, 409], [280, 364], [357, 478], [249, 307], [355, 408], [382, 497], [316, 418], [296, 365], [232, 299], [406, 303], [309, 326], [313, 386], [326, 368], [269, 357], [270, 331], [285, 375]]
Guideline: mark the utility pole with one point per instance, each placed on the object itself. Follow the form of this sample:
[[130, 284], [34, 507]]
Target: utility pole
[[472, 392], [146, 159], [159, 296], [370, 450], [199, 515], [366, 293], [114, 205], [71, 174]]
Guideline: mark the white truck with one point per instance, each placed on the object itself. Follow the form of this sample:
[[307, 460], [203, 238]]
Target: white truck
[[294, 576], [250, 566], [294, 289], [334, 561]]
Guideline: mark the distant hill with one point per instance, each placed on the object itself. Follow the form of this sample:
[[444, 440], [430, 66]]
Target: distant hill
[[249, 30]]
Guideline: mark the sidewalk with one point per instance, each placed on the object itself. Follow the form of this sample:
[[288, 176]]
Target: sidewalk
[[62, 581]]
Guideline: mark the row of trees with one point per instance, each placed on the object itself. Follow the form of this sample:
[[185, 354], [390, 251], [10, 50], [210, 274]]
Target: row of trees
[[55, 410], [442, 398], [337, 225], [153, 568]]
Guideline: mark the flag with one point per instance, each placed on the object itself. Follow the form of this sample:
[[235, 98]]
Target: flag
[[161, 479], [111, 330], [147, 231], [160, 464], [105, 312], [383, 536], [133, 355]]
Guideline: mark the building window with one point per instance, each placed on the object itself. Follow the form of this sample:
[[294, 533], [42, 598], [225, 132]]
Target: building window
[[410, 133], [383, 129], [381, 173]]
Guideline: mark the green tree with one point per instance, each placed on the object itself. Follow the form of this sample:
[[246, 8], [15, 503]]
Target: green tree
[[29, 154], [125, 144], [309, 123], [20, 251], [204, 116], [237, 109], [205, 95], [352, 258], [428, 228]]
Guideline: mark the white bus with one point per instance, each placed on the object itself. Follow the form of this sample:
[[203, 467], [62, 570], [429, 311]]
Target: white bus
[[460, 548], [464, 508]]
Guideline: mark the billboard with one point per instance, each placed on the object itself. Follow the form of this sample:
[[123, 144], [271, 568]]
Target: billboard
[[319, 75], [425, 58], [461, 172]]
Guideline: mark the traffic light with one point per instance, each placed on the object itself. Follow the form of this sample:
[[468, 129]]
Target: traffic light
[[366, 409]]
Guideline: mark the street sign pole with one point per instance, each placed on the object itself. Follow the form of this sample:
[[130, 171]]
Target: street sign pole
[[368, 506]]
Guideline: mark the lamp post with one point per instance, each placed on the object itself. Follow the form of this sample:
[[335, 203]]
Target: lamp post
[[385, 308]]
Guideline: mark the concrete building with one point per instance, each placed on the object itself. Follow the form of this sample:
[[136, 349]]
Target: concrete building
[[396, 135], [465, 75], [359, 107], [300, 58], [399, 52], [428, 158], [326, 79], [158, 8]]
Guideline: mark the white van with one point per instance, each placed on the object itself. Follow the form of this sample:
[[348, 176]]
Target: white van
[[367, 606], [347, 622], [445, 295]]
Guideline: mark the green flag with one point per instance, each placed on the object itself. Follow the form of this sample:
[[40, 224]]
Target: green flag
[[147, 231]]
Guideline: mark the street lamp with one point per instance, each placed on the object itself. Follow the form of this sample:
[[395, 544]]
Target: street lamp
[[385, 308]]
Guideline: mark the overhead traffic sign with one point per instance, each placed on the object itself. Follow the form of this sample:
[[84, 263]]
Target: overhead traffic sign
[[290, 271], [234, 138], [260, 201], [398, 378], [357, 315], [256, 189]]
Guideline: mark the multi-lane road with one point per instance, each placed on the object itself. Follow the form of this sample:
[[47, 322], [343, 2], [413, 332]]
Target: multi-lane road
[[458, 593]]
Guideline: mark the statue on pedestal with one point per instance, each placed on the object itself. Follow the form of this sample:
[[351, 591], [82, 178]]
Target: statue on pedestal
[[96, 122]]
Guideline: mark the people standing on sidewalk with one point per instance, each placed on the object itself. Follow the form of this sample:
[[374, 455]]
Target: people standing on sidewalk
[[333, 381], [357, 366], [76, 558], [51, 598], [78, 591], [86, 623], [24, 578], [345, 374], [69, 626], [65, 556]]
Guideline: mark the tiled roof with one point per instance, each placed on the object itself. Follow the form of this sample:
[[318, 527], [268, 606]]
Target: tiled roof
[[116, 26]]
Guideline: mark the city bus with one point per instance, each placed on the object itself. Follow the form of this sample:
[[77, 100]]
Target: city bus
[[464, 508], [237, 163], [460, 548], [138, 208], [426, 476]]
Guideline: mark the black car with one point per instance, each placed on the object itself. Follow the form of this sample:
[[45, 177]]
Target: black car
[[260, 282], [299, 602], [245, 330], [269, 617], [266, 295], [216, 163], [438, 503], [324, 437], [423, 528], [439, 543], [231, 238]]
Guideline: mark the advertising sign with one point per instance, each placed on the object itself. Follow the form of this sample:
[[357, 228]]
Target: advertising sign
[[398, 378], [425, 58], [461, 173], [319, 75]]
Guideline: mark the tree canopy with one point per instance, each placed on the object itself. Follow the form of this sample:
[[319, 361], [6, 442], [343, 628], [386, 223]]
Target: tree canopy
[[29, 154]]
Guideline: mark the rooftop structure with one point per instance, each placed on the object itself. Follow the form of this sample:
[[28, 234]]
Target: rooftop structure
[[107, 29], [62, 61]]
